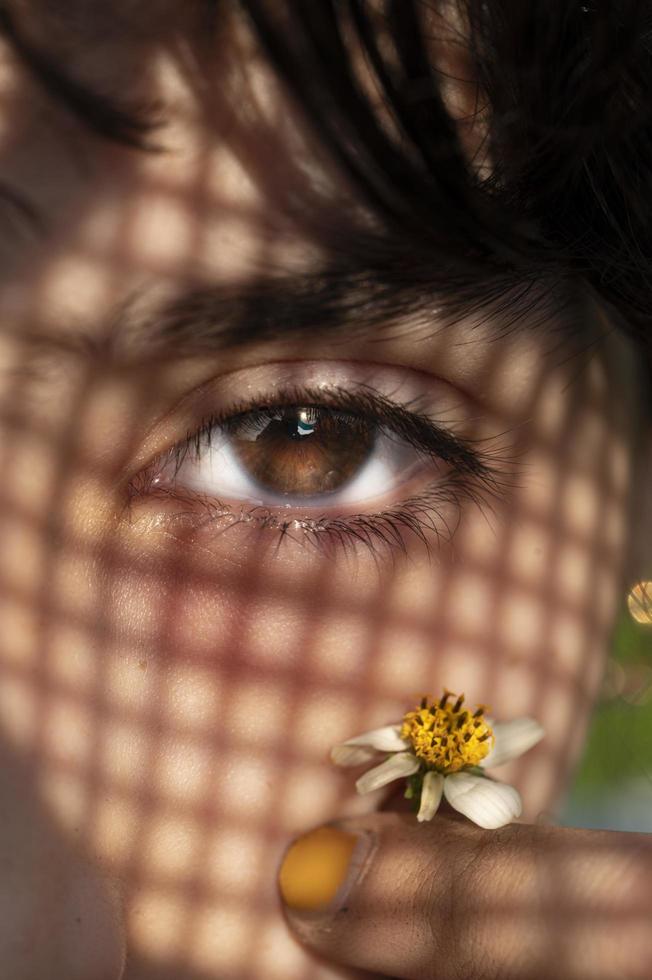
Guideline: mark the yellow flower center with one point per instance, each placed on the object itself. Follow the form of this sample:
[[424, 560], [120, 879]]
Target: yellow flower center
[[446, 736]]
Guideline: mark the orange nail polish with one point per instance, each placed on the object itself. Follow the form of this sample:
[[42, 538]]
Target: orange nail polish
[[317, 865]]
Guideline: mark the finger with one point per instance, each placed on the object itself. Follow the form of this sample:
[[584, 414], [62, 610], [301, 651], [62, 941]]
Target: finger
[[446, 899]]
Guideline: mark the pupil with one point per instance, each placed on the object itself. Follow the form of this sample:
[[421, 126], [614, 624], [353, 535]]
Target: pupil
[[305, 452]]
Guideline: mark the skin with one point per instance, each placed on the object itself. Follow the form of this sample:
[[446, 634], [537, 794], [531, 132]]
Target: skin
[[170, 688]]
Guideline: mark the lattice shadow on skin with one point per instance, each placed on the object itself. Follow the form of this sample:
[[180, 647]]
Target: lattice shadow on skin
[[173, 701]]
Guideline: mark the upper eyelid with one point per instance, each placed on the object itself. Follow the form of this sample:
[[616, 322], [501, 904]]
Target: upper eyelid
[[418, 429], [197, 403]]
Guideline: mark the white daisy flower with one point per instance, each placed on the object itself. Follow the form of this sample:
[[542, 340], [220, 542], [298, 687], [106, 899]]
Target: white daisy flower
[[442, 749]]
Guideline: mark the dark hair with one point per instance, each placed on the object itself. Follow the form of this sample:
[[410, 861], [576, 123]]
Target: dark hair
[[564, 89]]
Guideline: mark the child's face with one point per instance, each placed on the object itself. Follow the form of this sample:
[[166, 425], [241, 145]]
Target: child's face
[[184, 638]]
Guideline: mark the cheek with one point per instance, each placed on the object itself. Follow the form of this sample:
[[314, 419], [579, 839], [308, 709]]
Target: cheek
[[230, 672]]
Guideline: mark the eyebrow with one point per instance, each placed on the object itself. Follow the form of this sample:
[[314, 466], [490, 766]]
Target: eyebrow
[[344, 303]]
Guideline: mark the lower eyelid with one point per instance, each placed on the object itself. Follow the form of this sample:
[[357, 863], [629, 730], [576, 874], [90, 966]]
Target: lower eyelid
[[427, 519]]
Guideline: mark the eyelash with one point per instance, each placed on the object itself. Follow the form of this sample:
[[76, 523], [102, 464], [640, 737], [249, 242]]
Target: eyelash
[[477, 475]]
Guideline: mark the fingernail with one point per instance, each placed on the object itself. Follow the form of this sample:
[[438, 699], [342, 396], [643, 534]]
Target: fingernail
[[320, 868]]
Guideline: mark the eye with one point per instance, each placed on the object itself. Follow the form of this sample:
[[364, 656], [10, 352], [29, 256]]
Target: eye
[[335, 462], [296, 456]]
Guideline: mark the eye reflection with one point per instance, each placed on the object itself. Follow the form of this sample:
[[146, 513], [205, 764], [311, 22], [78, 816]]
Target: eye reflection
[[302, 452]]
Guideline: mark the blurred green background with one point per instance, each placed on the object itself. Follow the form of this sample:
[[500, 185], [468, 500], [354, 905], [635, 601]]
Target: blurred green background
[[613, 788]]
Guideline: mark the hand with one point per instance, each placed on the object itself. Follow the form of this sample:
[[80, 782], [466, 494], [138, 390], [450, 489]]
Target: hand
[[447, 900]]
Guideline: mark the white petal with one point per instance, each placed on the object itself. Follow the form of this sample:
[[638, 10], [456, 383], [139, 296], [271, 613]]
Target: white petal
[[433, 786], [512, 738], [351, 755], [385, 739], [398, 765], [484, 801]]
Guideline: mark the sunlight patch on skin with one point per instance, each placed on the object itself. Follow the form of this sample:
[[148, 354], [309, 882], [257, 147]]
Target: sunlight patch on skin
[[580, 503], [160, 226], [192, 699], [566, 636], [340, 647], [33, 474], [529, 553], [509, 385], [279, 956], [67, 729], [75, 287], [111, 832], [477, 536], [223, 937], [20, 710], [156, 923], [574, 568], [463, 665], [522, 619], [231, 238], [22, 625], [597, 379], [516, 689], [67, 794], [239, 878], [197, 626], [128, 684], [22, 556], [589, 441], [226, 179], [407, 600], [538, 496], [401, 660], [470, 603], [110, 425], [256, 713], [124, 753], [77, 596], [171, 848], [620, 467], [310, 796], [552, 411], [246, 783], [72, 658], [135, 605], [273, 631], [337, 713]]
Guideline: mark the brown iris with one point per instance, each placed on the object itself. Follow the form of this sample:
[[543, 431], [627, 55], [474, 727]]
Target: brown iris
[[302, 451]]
